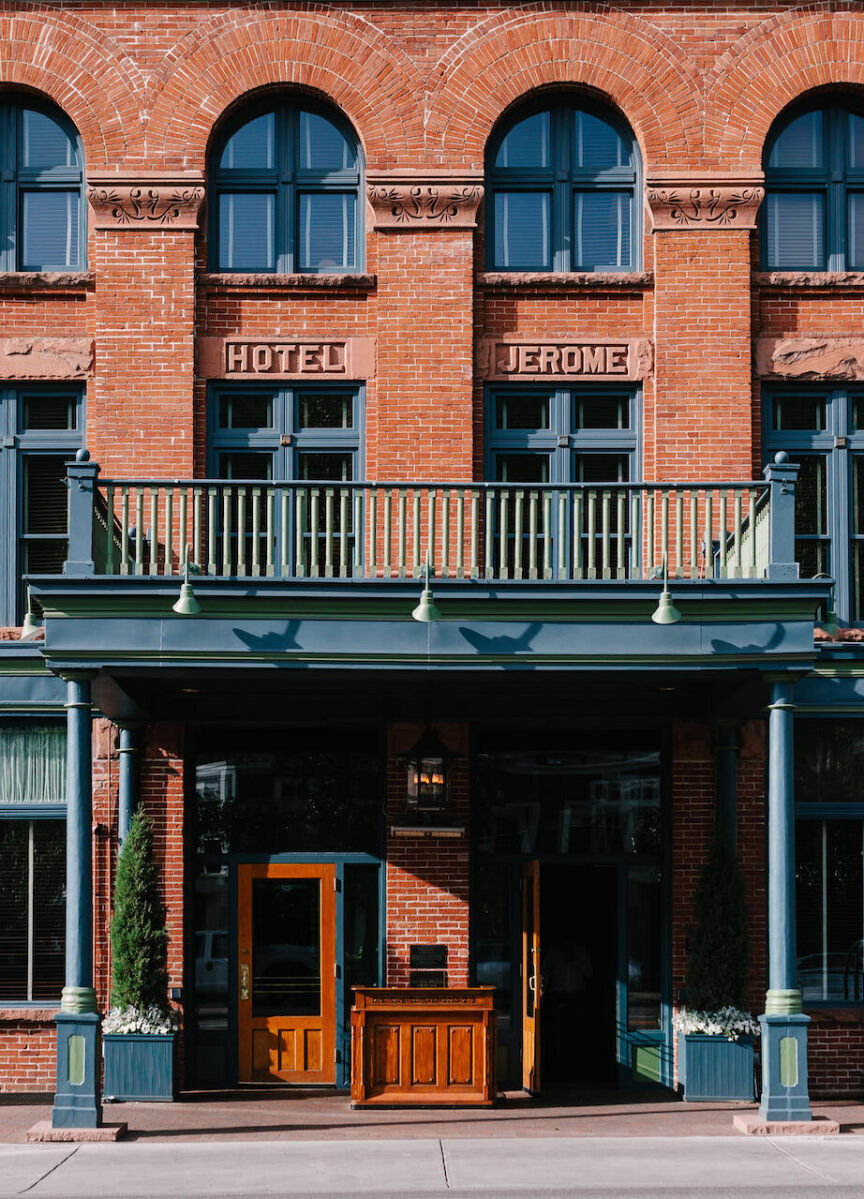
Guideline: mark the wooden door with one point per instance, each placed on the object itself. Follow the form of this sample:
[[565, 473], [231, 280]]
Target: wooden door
[[531, 983], [286, 977]]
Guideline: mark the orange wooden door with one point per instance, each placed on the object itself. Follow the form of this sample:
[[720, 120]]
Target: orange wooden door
[[287, 973], [531, 982]]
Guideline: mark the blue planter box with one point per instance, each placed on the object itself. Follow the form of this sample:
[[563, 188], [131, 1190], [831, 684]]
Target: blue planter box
[[714, 1068], [138, 1066]]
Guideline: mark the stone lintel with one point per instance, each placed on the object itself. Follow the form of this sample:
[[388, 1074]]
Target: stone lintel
[[563, 360], [145, 199], [430, 200], [45, 357], [695, 200], [810, 358]]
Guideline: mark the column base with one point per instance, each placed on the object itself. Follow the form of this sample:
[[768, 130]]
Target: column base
[[784, 1069], [77, 1100]]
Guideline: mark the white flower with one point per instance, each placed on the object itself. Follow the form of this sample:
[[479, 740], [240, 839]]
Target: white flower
[[729, 1022], [153, 1021]]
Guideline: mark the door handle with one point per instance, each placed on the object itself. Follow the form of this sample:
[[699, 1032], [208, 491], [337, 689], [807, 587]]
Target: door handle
[[244, 981]]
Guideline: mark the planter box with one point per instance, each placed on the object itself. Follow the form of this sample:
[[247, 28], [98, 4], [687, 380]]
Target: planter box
[[138, 1066], [714, 1068]]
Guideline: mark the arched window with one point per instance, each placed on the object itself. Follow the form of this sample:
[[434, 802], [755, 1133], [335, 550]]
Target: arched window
[[562, 192], [813, 214], [285, 183], [41, 208]]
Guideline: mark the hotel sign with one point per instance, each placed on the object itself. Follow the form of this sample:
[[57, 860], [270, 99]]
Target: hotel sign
[[286, 358], [600, 360]]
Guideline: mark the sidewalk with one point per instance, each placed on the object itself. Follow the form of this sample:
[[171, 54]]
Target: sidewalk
[[507, 1166]]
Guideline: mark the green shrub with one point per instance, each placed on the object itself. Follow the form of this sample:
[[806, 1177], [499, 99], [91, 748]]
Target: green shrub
[[139, 938]]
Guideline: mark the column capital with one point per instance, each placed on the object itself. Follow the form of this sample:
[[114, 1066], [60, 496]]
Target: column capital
[[145, 199], [424, 200], [685, 200]]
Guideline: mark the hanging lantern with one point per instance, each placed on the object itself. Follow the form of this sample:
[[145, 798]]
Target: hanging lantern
[[428, 774]]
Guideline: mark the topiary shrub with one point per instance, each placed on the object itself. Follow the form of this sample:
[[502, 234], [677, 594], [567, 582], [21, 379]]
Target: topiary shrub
[[719, 945], [139, 938]]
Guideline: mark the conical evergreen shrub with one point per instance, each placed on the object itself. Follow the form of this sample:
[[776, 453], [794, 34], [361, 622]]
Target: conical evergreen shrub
[[139, 938], [719, 945]]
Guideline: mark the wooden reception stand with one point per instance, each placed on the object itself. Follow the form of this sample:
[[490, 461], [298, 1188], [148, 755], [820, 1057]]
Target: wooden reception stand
[[423, 1046]]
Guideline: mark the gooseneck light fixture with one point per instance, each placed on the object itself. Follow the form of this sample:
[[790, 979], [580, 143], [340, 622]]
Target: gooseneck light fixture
[[187, 604], [427, 610], [665, 612], [31, 625]]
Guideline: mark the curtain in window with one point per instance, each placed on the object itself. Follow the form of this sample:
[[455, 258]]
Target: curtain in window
[[32, 766]]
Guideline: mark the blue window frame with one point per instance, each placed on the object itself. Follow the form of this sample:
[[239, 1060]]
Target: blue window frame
[[823, 430], [42, 212], [284, 193], [40, 430], [829, 859], [563, 192], [813, 213]]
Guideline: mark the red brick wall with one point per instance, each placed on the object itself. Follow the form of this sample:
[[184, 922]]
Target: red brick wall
[[835, 1055], [28, 1047]]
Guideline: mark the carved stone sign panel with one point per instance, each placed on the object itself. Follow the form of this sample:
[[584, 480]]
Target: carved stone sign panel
[[286, 358], [557, 361]]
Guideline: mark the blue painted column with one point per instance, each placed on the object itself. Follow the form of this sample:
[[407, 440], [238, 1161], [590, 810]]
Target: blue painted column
[[784, 1026], [127, 790], [77, 1098]]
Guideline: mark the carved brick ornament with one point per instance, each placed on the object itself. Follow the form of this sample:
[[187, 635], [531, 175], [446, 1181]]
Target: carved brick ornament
[[169, 201], [412, 204], [689, 202]]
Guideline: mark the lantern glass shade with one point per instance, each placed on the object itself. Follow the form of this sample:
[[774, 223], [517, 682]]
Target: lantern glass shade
[[427, 780]]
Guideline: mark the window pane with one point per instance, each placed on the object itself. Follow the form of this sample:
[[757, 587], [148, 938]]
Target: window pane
[[246, 464], [522, 412], [830, 909], [856, 230], [44, 557], [252, 146], [799, 412], [50, 237], [857, 413], [811, 496], [858, 492], [49, 908], [829, 761], [45, 496], [597, 146], [246, 231], [322, 146], [14, 874], [601, 229], [795, 230], [522, 468], [813, 558], [361, 928], [326, 234], [250, 411], [48, 412], [800, 144], [602, 412], [527, 143], [32, 765], [325, 411], [856, 141], [644, 953], [44, 143], [601, 468], [326, 466], [522, 230]]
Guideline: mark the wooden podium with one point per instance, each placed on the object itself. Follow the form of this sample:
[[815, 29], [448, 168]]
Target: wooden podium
[[423, 1046]]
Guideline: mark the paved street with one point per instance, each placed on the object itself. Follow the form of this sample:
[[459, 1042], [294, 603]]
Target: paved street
[[421, 1168]]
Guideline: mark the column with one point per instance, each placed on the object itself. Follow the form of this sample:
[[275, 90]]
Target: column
[[127, 790], [77, 1101], [784, 1026]]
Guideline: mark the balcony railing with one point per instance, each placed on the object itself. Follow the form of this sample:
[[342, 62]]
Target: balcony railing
[[497, 532]]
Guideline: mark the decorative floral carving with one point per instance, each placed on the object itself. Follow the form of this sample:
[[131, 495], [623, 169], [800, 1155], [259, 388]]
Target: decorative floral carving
[[704, 207], [146, 204], [425, 205]]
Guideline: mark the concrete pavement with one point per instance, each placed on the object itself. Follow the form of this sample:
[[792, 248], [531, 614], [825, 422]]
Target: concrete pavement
[[804, 1167]]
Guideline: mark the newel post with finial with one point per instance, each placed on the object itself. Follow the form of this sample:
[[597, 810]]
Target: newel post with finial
[[781, 476], [81, 477]]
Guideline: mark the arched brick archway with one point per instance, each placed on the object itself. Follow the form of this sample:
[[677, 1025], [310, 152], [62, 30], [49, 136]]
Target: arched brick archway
[[340, 56], [73, 63], [636, 66], [774, 64]]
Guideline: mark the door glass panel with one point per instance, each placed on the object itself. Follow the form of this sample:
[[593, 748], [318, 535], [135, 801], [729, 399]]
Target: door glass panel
[[805, 413], [811, 495], [252, 146], [857, 580], [51, 226], [528, 926], [813, 557], [857, 413], [644, 959], [361, 929], [326, 466], [325, 411], [601, 468], [326, 233], [211, 970], [522, 411], [286, 947], [601, 412], [527, 144], [799, 146], [45, 496], [48, 412], [245, 464], [247, 231], [522, 230], [522, 468], [250, 410], [601, 228]]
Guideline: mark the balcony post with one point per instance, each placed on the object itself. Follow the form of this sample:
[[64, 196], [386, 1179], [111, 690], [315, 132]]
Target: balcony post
[[781, 475], [81, 476], [784, 1026]]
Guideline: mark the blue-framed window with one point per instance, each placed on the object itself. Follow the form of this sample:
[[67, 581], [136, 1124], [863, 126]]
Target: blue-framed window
[[40, 430], [563, 191], [813, 213], [42, 211], [829, 860], [32, 862], [285, 192], [823, 430]]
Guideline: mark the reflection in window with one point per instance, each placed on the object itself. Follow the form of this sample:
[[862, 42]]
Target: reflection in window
[[32, 910]]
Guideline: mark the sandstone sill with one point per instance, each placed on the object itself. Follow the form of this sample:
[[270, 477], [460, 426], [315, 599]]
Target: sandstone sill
[[46, 282], [211, 281], [809, 280], [28, 1015], [556, 281]]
